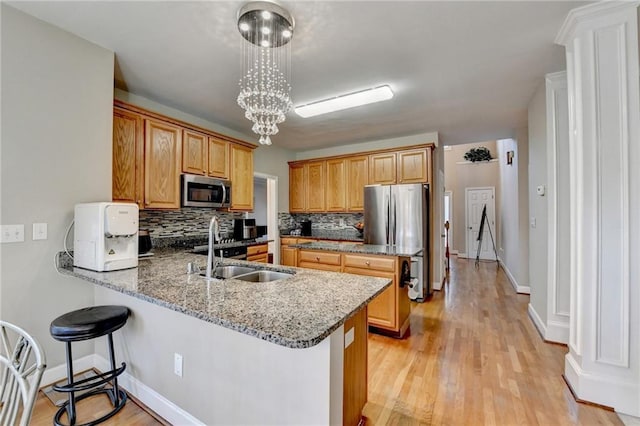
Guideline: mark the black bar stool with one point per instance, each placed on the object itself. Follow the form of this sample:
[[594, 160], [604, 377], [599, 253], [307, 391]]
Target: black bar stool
[[85, 324]]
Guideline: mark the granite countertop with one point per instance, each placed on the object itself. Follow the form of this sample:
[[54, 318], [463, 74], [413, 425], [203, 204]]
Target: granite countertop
[[360, 248], [296, 312], [346, 234]]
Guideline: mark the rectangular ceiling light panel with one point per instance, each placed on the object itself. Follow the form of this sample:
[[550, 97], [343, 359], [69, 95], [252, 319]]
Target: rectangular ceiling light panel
[[341, 102]]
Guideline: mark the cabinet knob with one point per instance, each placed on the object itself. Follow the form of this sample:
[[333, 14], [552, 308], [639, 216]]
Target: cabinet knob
[[367, 263], [318, 258]]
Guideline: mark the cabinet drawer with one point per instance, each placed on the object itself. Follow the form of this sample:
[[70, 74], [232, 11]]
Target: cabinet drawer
[[258, 258], [288, 241], [319, 266], [253, 250], [376, 263], [312, 256], [306, 240]]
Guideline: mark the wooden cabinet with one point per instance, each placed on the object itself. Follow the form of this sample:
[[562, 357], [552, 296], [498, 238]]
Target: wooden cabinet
[[297, 188], [336, 186], [325, 261], [194, 152], [355, 368], [390, 309], [128, 157], [382, 168], [241, 178], [218, 158], [357, 177], [163, 153], [288, 254], [315, 187], [259, 253], [412, 166]]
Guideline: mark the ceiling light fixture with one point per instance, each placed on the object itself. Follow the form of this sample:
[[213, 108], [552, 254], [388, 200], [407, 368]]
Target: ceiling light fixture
[[267, 29], [349, 100]]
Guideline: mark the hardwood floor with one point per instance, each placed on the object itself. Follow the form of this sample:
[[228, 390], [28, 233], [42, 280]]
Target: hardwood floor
[[473, 357]]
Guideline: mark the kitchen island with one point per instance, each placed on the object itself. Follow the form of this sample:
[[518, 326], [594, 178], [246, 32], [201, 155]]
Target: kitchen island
[[252, 353]]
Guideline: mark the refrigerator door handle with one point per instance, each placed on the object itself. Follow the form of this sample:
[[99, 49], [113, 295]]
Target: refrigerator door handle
[[386, 219], [394, 232]]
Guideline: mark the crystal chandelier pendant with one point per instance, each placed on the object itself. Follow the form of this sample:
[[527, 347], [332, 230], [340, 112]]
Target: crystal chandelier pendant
[[266, 29]]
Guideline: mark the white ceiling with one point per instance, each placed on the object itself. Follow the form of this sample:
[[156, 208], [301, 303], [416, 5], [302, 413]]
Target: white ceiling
[[464, 69]]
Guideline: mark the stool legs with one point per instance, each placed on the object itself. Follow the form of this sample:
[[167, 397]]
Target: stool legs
[[112, 358], [71, 407]]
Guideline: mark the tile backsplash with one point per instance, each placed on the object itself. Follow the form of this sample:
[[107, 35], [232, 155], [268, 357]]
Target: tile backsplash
[[324, 221], [185, 222]]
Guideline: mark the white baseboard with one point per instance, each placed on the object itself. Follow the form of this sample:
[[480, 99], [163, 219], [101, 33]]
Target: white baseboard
[[59, 372], [454, 252], [557, 332], [462, 255], [537, 321], [602, 389], [149, 397], [522, 289], [436, 285]]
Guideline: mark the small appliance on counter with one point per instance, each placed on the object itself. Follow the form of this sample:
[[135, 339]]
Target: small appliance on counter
[[244, 229], [306, 228], [144, 243], [105, 236], [204, 191]]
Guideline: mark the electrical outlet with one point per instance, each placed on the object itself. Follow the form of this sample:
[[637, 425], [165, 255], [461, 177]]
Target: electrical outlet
[[177, 365], [12, 233], [39, 231], [342, 222]]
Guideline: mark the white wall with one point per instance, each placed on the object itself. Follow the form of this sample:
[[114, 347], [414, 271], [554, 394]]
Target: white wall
[[57, 100], [538, 235], [422, 138], [260, 201], [269, 160], [513, 246]]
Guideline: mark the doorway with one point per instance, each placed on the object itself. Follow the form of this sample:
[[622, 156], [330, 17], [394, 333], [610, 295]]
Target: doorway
[[476, 199], [266, 209]]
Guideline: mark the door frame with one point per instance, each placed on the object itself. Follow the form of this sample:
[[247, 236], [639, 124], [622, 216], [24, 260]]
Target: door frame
[[450, 194], [469, 254], [272, 214]]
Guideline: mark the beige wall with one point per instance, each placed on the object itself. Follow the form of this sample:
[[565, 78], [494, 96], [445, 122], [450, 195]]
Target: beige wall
[[461, 174], [57, 94]]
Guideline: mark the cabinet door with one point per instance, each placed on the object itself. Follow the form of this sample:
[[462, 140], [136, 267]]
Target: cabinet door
[[163, 154], [241, 178], [382, 310], [194, 152], [357, 178], [412, 166], [315, 189], [218, 158], [297, 188], [128, 157], [336, 186], [288, 256], [355, 369], [382, 168]]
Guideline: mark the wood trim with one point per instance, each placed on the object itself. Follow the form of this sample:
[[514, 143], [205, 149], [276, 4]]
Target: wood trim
[[150, 114], [429, 145]]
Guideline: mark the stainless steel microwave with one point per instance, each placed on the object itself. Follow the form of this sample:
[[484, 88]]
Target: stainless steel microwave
[[203, 191]]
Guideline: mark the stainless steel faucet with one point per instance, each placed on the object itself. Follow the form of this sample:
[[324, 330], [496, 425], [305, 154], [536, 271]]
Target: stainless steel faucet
[[214, 234]]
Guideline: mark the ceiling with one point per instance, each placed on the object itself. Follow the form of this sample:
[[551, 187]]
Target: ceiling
[[466, 70]]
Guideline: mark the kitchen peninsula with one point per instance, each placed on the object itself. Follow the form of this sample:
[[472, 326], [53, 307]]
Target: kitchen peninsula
[[283, 352]]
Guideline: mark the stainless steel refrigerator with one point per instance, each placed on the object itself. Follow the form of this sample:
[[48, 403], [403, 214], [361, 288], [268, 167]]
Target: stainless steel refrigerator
[[398, 215]]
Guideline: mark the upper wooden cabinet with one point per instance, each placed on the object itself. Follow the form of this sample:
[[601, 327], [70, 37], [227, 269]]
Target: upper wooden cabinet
[[413, 166], [382, 168], [162, 145], [194, 152], [128, 157], [297, 188], [315, 188], [357, 178], [241, 178], [218, 158], [336, 186]]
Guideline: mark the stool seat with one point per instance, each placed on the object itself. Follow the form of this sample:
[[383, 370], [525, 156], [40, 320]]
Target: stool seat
[[88, 323]]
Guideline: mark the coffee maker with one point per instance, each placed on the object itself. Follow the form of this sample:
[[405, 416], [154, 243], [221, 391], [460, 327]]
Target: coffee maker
[[105, 236], [244, 229]]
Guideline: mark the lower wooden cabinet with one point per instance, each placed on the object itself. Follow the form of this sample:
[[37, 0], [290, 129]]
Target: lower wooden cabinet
[[355, 368], [325, 261], [288, 255], [259, 253]]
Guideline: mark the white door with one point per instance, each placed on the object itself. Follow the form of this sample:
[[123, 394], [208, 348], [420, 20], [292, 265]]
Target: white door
[[477, 198]]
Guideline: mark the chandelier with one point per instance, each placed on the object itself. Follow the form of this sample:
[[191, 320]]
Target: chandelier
[[267, 29]]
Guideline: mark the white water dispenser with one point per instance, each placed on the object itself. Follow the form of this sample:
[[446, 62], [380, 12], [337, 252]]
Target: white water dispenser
[[105, 236]]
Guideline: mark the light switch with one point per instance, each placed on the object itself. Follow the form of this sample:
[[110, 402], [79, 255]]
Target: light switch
[[540, 190], [12, 233], [533, 222], [39, 231]]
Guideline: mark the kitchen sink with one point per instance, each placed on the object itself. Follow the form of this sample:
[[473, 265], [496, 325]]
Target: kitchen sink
[[230, 271], [263, 276]]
